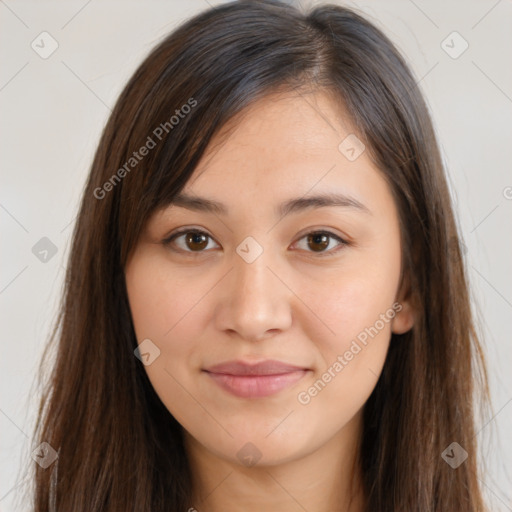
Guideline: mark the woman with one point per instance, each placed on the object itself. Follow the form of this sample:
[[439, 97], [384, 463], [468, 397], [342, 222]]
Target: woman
[[266, 306]]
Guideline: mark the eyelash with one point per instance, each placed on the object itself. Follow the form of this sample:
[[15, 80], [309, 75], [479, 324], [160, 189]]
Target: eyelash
[[167, 241]]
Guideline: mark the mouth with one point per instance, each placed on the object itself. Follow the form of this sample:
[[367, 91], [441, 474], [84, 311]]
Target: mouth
[[259, 380]]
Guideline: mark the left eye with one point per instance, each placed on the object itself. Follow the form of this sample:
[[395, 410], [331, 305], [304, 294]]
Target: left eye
[[319, 241], [196, 241]]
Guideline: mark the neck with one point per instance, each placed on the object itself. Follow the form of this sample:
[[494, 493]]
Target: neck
[[325, 480]]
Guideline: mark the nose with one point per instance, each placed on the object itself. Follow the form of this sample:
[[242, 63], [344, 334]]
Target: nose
[[254, 302]]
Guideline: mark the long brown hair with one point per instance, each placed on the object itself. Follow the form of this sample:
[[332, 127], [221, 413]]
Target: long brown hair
[[118, 447]]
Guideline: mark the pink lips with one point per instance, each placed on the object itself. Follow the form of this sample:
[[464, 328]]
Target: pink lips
[[255, 380]]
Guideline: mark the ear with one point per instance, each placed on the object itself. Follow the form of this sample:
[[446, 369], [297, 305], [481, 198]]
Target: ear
[[404, 318]]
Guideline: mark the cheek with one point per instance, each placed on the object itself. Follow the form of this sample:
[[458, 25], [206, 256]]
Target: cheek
[[160, 301], [353, 351], [350, 360], [354, 300], [167, 310], [356, 308]]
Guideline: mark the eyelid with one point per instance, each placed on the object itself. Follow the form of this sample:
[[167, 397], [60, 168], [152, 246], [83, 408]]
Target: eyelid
[[184, 230]]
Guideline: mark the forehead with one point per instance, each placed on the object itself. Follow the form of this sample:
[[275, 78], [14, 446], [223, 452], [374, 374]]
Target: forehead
[[282, 127], [285, 145]]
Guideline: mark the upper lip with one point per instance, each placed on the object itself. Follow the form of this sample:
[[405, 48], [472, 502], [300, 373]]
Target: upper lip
[[268, 367]]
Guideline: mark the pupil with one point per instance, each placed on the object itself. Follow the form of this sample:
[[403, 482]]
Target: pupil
[[193, 238], [319, 239]]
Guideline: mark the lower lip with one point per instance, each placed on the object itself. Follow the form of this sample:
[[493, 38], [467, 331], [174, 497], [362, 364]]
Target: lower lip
[[256, 386]]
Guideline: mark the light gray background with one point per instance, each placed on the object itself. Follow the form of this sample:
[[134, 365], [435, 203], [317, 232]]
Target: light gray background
[[52, 113]]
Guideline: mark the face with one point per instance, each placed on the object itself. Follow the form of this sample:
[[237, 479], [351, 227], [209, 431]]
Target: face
[[265, 320]]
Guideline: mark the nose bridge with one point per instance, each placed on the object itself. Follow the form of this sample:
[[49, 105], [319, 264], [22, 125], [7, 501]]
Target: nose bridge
[[253, 279], [255, 301]]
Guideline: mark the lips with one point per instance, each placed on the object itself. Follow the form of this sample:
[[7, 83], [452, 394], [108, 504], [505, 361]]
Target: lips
[[249, 380], [268, 367]]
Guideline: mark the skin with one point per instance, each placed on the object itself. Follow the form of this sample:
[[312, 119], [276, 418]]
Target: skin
[[290, 304]]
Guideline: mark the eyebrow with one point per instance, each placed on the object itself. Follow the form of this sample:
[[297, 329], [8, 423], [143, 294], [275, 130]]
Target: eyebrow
[[203, 204]]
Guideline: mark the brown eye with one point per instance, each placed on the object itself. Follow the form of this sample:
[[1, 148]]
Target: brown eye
[[196, 241], [190, 241], [318, 241]]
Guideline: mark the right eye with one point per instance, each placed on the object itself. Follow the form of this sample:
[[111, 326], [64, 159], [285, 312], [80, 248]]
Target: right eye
[[191, 240]]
